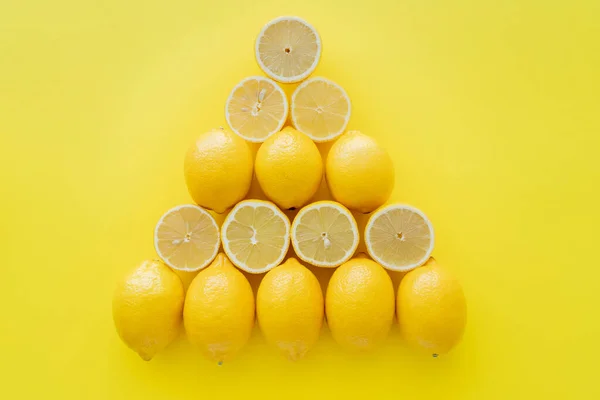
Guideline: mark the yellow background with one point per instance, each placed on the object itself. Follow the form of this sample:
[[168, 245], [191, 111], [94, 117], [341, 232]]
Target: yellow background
[[490, 110]]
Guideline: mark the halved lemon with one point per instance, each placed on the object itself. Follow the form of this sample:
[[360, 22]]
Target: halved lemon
[[399, 237], [288, 49], [325, 234], [256, 108], [320, 109], [256, 236], [187, 238]]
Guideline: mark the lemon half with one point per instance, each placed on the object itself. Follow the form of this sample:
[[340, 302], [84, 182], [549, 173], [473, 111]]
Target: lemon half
[[288, 49], [256, 236], [325, 234], [399, 237]]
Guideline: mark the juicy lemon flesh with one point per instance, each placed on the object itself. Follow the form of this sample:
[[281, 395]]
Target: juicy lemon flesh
[[257, 109], [257, 237], [325, 236], [400, 237], [320, 109], [288, 49], [187, 238]]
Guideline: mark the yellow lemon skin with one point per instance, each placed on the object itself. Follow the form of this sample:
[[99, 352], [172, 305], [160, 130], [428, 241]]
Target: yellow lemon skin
[[219, 310], [431, 307], [359, 304], [359, 172], [289, 168], [290, 308], [147, 308], [218, 169]]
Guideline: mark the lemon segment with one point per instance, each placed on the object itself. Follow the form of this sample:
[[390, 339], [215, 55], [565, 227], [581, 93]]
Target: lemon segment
[[320, 109], [325, 234], [256, 236], [256, 108], [399, 237], [288, 49], [187, 238]]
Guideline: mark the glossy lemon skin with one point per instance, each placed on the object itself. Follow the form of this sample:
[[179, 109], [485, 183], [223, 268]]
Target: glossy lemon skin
[[218, 169], [431, 308], [360, 173], [219, 310], [359, 304], [290, 308], [289, 168], [147, 308]]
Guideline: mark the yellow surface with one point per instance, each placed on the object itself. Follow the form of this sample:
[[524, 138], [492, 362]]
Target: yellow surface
[[489, 109]]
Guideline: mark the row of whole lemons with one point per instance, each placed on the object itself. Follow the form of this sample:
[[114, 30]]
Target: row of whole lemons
[[219, 308]]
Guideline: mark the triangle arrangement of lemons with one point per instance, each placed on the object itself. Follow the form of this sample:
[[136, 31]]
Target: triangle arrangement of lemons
[[218, 310]]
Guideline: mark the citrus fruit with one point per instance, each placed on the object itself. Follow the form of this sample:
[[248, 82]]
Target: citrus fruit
[[219, 310], [256, 108], [324, 234], [256, 236], [360, 173], [432, 310], [289, 307], [360, 304], [147, 308], [288, 49], [289, 168], [320, 109], [399, 237], [187, 238], [218, 169]]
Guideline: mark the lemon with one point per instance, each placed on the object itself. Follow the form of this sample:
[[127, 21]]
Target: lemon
[[219, 310], [218, 169], [147, 308], [187, 238], [256, 236], [399, 237], [288, 49], [289, 306], [360, 304], [321, 109], [325, 234], [289, 168], [432, 310], [360, 173], [256, 108]]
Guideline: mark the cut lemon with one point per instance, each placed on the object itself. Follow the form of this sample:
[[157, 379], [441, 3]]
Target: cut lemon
[[256, 236], [325, 234], [288, 49], [320, 109], [256, 109], [399, 237], [186, 238]]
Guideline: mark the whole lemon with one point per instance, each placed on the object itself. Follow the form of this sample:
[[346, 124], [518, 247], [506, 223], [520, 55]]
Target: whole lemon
[[289, 306], [218, 169], [219, 310], [431, 306], [360, 173], [147, 308], [360, 304], [289, 168]]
